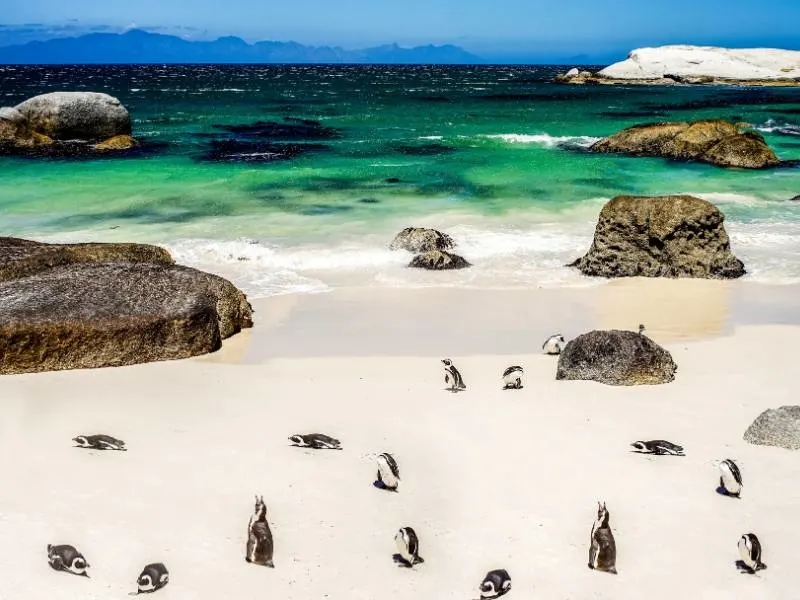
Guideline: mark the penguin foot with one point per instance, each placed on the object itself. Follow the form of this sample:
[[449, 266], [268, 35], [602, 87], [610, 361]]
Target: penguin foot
[[401, 562]]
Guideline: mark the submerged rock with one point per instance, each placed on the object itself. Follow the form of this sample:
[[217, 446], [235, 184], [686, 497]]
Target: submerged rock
[[118, 142], [616, 358], [95, 305], [256, 152], [289, 129], [89, 116], [665, 236], [437, 260], [716, 142], [421, 239], [776, 427]]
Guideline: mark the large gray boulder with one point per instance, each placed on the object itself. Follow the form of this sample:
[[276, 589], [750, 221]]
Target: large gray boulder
[[665, 236], [421, 239], [776, 427], [616, 357], [716, 142], [77, 306], [87, 116], [436, 260]]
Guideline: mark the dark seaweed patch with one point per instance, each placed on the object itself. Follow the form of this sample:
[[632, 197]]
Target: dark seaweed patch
[[434, 99], [79, 151], [256, 152], [288, 130], [725, 99], [425, 150], [369, 201]]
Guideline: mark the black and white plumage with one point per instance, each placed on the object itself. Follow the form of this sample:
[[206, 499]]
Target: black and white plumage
[[388, 472], [730, 478], [260, 546], [658, 447], [642, 330], [153, 577], [512, 378], [317, 441], [99, 442], [64, 557], [495, 584], [750, 551], [452, 377], [602, 547], [554, 344], [407, 544]]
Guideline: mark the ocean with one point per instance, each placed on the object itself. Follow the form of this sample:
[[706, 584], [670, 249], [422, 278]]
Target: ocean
[[295, 178]]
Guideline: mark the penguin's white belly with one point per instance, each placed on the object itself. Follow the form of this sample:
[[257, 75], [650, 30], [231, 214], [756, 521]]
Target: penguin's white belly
[[730, 483], [402, 549], [387, 477], [552, 348], [511, 378], [744, 552]]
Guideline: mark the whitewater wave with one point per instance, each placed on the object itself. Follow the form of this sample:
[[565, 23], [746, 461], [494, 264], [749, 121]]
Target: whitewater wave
[[773, 126], [546, 140]]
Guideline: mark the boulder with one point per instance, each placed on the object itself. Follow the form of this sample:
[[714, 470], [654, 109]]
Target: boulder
[[776, 427], [665, 236], [420, 239], [573, 72], [795, 199], [616, 358], [88, 116], [716, 142], [118, 142], [436, 260], [95, 305]]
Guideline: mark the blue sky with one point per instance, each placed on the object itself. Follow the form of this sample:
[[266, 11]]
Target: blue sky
[[491, 28]]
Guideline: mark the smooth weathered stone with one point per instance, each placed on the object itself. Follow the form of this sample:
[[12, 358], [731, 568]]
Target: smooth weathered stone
[[421, 239], [437, 260], [88, 116]]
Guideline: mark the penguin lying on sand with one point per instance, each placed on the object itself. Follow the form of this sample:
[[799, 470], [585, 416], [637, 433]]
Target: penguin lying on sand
[[496, 583], [66, 558], [658, 447], [317, 441], [153, 577], [99, 442]]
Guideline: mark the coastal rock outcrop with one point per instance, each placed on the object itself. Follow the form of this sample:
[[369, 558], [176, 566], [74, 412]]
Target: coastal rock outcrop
[[663, 236], [437, 260], [616, 357], [421, 239], [66, 124], [776, 427], [716, 142], [69, 306], [698, 65]]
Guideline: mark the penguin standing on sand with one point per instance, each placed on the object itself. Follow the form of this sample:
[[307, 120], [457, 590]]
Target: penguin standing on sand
[[407, 544], [317, 441], [512, 378], [99, 442], [730, 479], [496, 583], [452, 377], [259, 537], [603, 548], [554, 344], [388, 472], [66, 558], [658, 447], [153, 577], [750, 551]]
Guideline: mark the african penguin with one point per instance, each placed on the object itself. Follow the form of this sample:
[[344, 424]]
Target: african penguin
[[259, 536], [658, 447], [388, 472], [318, 441], [452, 377], [512, 378], [602, 549], [554, 344], [495, 584], [407, 544], [750, 551], [730, 480], [154, 577], [99, 442], [66, 558], [642, 330]]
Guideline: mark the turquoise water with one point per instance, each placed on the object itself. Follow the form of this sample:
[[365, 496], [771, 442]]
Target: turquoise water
[[493, 155]]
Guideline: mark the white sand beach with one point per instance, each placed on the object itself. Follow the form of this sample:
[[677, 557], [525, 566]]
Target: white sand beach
[[490, 478]]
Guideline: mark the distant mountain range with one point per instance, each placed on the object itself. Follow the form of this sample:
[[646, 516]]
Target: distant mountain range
[[142, 47]]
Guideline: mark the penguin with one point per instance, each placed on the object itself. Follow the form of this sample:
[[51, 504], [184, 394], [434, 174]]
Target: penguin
[[452, 377], [730, 480], [602, 549], [154, 577], [66, 558], [317, 441], [554, 344], [99, 442], [407, 544], [642, 330], [658, 447], [512, 378], [750, 551], [496, 583], [259, 537], [388, 472]]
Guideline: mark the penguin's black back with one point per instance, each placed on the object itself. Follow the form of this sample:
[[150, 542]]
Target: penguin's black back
[[510, 370], [737, 475], [392, 464]]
